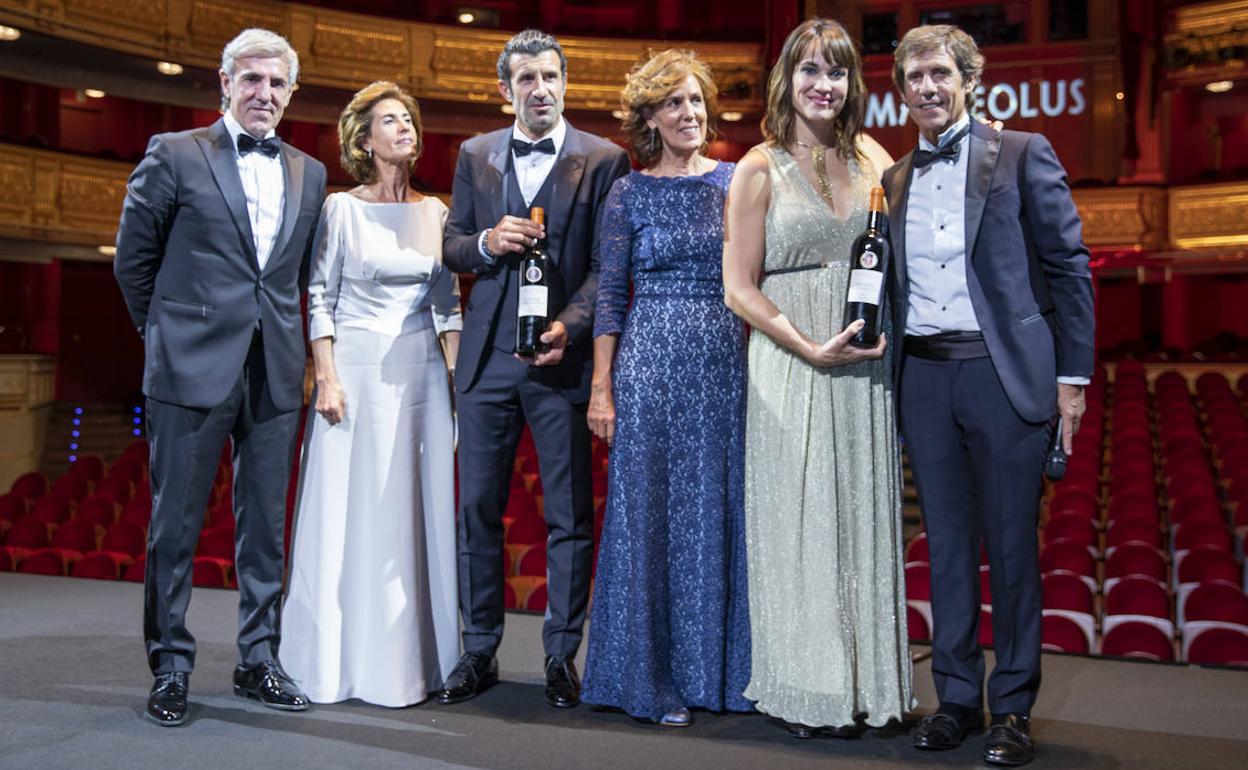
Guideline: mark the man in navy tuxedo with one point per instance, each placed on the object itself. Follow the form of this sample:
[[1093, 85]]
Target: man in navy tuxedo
[[541, 160], [992, 292], [212, 250]]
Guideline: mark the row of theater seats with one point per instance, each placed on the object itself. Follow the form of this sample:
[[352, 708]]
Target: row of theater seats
[[1142, 543], [92, 522]]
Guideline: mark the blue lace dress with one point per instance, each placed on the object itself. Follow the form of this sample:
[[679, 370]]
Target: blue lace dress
[[669, 625]]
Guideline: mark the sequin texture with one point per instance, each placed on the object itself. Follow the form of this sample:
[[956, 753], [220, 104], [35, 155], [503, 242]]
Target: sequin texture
[[822, 486]]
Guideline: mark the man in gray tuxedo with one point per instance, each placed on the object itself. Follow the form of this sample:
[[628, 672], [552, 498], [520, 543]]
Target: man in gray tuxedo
[[541, 160], [212, 252]]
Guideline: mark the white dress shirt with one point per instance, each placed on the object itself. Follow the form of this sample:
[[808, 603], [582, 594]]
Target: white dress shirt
[[531, 170], [264, 185], [940, 300]]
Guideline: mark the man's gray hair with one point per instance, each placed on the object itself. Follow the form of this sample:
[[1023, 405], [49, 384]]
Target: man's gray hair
[[258, 43], [530, 42]]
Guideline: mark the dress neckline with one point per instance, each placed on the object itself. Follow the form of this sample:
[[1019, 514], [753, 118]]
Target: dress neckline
[[361, 201], [719, 164], [852, 165]]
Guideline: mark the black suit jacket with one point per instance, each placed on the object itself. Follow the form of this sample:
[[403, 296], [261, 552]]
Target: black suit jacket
[[1026, 267], [187, 266], [583, 174]]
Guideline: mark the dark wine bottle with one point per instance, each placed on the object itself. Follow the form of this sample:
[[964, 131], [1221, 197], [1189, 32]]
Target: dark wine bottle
[[533, 308], [868, 269]]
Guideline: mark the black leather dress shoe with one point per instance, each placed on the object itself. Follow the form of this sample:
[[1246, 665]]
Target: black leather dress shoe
[[269, 684], [797, 729], [947, 728], [473, 674], [563, 686], [166, 705], [1009, 740]]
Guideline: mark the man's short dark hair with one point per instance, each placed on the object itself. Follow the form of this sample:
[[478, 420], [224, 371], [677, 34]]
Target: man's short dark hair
[[530, 42]]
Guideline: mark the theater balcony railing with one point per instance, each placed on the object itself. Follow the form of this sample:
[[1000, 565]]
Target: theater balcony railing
[[344, 50], [57, 197]]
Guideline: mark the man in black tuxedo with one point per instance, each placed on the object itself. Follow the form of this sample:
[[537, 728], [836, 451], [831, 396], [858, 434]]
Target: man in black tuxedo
[[212, 251], [993, 294], [539, 161]]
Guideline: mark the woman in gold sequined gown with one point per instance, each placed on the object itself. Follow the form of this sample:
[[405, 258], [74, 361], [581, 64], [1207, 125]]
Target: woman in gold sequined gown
[[822, 468]]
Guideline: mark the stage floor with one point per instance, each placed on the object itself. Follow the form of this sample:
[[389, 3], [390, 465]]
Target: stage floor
[[73, 681]]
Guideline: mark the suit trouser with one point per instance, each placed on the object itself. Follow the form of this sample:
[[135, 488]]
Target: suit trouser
[[491, 417], [185, 450], [977, 468]]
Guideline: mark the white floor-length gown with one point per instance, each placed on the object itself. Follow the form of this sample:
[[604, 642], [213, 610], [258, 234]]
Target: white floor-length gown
[[371, 607]]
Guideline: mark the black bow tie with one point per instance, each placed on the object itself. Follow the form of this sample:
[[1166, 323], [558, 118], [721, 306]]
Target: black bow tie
[[269, 147], [949, 150], [522, 148]]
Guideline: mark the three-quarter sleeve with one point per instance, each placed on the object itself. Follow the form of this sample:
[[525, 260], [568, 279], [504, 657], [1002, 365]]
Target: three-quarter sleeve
[[444, 293], [615, 248], [326, 275]]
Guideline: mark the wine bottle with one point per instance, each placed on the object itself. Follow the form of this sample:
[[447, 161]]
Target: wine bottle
[[533, 308], [868, 267]]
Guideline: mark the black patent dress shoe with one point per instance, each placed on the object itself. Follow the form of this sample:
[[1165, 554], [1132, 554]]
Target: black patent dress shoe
[[166, 705], [1009, 740], [473, 674], [947, 728], [269, 684], [563, 686], [797, 729]]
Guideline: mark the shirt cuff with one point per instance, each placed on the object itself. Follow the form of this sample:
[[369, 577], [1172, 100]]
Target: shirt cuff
[[1074, 380], [485, 254]]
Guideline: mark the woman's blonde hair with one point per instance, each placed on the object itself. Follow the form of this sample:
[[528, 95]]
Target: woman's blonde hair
[[645, 88], [837, 47], [355, 124]]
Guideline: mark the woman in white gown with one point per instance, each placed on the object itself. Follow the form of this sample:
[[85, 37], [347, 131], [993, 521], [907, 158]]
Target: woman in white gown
[[371, 611]]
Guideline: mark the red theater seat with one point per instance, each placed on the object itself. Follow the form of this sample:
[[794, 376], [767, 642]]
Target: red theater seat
[[31, 486], [1067, 591], [52, 508], [985, 626], [1202, 533], [1122, 531], [1073, 527], [509, 595], [1133, 505], [917, 549], [89, 467], [100, 565], [134, 572], [28, 534], [1218, 646], [919, 581], [217, 543], [1137, 639], [917, 629], [43, 562], [97, 509], [138, 512], [1136, 559], [6, 561], [209, 572], [1067, 555], [12, 507], [125, 538], [128, 467], [1138, 595], [71, 486], [1206, 563], [1217, 600], [1201, 507], [78, 535], [118, 488], [523, 531], [1063, 633], [533, 561], [536, 600]]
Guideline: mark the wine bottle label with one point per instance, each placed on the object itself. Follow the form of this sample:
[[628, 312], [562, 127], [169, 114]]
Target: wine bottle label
[[533, 274], [533, 300], [864, 286], [868, 259]]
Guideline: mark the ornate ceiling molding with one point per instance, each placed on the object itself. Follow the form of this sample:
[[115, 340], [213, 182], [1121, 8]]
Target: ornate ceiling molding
[[347, 50]]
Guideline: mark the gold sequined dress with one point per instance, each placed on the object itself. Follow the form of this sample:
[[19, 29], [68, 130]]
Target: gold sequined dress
[[822, 486]]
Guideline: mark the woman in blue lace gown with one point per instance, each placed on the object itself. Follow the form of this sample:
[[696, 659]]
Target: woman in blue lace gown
[[669, 625]]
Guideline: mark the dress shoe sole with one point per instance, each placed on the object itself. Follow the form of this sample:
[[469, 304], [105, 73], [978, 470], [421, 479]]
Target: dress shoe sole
[[252, 695], [484, 684], [165, 722], [924, 744]]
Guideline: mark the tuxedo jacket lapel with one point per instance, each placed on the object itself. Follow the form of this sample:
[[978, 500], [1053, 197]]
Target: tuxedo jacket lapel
[[898, 238], [292, 169], [984, 147], [497, 170], [565, 178], [220, 155]]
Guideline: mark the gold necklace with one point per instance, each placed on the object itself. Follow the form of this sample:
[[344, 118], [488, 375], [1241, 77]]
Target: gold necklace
[[819, 159]]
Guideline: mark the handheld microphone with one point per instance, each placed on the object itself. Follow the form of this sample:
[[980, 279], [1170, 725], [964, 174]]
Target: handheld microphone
[[1055, 456]]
